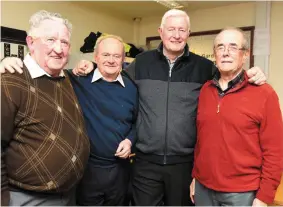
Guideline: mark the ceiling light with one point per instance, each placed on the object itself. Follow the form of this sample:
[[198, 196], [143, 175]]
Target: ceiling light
[[170, 4]]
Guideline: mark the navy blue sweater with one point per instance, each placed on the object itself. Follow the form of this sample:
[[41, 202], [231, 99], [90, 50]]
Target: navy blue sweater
[[110, 112]]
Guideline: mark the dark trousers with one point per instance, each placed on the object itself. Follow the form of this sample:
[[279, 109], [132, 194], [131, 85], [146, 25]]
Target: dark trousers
[[207, 197], [104, 186], [155, 185]]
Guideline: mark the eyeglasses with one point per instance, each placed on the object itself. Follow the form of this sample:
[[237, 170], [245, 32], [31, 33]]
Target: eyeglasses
[[232, 49], [51, 41]]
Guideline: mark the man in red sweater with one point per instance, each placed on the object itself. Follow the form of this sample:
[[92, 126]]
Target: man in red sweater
[[239, 150]]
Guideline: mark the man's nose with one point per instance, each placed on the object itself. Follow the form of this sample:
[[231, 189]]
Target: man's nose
[[176, 34], [57, 47], [226, 51], [111, 59]]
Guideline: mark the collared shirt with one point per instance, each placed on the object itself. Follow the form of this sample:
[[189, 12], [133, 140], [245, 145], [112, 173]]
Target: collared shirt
[[97, 75], [35, 70], [186, 52], [171, 64], [238, 79]]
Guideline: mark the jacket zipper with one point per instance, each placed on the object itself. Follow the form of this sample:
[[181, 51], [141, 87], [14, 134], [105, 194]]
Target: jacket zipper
[[166, 128], [219, 102]]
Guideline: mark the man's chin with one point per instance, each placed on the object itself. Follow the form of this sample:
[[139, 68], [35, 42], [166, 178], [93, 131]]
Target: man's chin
[[57, 66], [177, 49]]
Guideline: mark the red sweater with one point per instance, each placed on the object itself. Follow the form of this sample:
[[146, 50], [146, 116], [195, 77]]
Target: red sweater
[[240, 140]]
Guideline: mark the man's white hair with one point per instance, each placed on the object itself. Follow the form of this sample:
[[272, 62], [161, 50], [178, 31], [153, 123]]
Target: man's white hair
[[175, 13], [36, 19]]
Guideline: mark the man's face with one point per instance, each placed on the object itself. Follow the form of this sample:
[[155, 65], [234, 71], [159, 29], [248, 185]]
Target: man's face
[[109, 57], [174, 34], [50, 49], [229, 54]]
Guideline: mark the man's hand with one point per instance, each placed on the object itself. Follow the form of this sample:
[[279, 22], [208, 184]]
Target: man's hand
[[11, 64], [258, 202], [192, 190], [83, 68], [256, 76], [124, 149]]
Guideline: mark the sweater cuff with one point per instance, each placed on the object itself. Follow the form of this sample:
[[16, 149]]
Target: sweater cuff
[[266, 196], [131, 138]]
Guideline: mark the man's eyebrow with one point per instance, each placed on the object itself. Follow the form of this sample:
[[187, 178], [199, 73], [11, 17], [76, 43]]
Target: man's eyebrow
[[230, 44], [220, 44]]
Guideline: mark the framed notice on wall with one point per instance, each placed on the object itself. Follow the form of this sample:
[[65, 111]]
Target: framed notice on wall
[[201, 43], [13, 43]]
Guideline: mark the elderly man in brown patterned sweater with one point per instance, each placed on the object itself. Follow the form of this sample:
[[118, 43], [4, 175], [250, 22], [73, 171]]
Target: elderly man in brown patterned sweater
[[44, 145]]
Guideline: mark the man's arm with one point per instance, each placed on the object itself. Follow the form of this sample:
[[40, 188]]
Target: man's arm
[[256, 76], [11, 64], [8, 110], [271, 142]]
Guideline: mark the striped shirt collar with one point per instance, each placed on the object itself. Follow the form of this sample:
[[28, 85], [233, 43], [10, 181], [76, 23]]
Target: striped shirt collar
[[35, 70], [97, 76]]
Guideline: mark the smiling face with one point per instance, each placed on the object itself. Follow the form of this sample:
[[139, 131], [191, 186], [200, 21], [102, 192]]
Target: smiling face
[[50, 48], [174, 34], [229, 52], [109, 57]]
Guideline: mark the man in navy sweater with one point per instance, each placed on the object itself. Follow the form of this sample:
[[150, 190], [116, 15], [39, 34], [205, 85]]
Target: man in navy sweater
[[109, 101]]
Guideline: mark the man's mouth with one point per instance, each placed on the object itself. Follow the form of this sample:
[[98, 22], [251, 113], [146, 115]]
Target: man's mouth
[[176, 42], [56, 57]]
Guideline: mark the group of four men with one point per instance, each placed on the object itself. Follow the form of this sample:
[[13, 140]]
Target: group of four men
[[186, 118]]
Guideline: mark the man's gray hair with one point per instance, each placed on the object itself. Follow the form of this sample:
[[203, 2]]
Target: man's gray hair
[[36, 19], [175, 13], [245, 43], [101, 38]]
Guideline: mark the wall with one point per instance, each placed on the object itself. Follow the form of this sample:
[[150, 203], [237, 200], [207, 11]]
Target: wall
[[16, 15], [276, 67], [206, 19]]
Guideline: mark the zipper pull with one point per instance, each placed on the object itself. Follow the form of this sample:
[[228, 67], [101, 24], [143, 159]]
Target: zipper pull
[[218, 108]]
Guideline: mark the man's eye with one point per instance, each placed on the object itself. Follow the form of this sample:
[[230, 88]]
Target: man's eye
[[105, 55], [65, 43], [233, 47], [220, 48], [50, 40], [117, 56]]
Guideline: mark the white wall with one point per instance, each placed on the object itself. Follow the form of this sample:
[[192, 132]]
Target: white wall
[[16, 15], [276, 54]]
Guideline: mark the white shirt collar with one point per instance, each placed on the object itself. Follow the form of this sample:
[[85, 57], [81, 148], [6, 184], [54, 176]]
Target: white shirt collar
[[97, 75], [35, 70]]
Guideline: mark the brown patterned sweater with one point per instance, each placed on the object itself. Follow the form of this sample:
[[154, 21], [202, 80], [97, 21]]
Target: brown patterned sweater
[[43, 139]]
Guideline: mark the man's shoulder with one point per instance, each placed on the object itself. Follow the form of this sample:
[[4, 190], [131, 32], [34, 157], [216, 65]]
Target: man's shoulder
[[15, 77], [264, 90], [129, 82], [146, 54]]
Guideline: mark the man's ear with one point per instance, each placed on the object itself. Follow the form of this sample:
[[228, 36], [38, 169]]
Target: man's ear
[[246, 55], [30, 43], [160, 32]]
